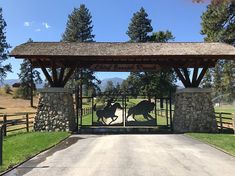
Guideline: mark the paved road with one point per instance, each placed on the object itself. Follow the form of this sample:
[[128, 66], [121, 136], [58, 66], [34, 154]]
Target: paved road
[[121, 155]]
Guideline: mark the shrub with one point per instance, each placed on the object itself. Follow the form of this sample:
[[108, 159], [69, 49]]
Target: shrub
[[7, 89], [22, 92]]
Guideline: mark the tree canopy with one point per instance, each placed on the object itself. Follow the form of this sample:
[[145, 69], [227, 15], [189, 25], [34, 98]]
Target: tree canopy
[[79, 29], [79, 26], [4, 46], [148, 83], [218, 25]]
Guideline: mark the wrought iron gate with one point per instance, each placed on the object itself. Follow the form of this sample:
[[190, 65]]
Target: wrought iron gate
[[125, 111]]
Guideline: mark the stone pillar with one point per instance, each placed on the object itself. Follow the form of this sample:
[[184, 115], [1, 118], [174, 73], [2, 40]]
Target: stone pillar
[[194, 111], [55, 110]]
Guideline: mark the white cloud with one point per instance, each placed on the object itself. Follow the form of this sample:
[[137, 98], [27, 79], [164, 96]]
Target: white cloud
[[28, 24], [46, 25], [38, 30]]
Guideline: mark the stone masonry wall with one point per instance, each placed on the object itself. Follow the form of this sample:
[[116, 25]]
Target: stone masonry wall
[[194, 111], [55, 111]]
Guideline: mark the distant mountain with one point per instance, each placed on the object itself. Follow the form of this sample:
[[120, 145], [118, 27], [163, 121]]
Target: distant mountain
[[9, 82], [115, 81], [13, 81]]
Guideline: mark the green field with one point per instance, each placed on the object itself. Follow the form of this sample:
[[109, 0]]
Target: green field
[[225, 142], [19, 147]]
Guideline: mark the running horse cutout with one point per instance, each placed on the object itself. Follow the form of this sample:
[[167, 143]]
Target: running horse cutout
[[142, 108], [108, 112]]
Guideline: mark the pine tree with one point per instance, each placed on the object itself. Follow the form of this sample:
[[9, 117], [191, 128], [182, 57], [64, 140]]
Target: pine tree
[[140, 27], [79, 29], [79, 26], [4, 46], [161, 37], [148, 83], [28, 78], [218, 25]]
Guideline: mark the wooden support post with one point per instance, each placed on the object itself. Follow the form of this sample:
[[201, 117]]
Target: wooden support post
[[234, 123], [186, 75], [4, 125], [61, 75], [80, 100], [54, 74], [1, 143], [31, 86], [181, 77], [44, 70], [27, 122], [194, 79], [66, 78], [200, 77], [221, 122]]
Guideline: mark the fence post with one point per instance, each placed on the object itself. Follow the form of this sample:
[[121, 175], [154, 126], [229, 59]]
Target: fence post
[[221, 122], [27, 122], [234, 123], [4, 125], [1, 142]]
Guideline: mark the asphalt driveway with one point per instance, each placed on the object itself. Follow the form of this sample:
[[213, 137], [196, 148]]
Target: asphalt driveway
[[114, 155]]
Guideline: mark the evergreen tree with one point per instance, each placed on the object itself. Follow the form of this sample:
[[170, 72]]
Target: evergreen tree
[[79, 29], [79, 26], [4, 46], [140, 27], [218, 25], [148, 83], [161, 36], [28, 78]]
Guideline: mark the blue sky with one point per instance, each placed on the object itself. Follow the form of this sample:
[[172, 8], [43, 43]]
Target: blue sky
[[45, 20]]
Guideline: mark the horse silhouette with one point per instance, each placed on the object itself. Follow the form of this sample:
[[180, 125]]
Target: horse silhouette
[[108, 112], [142, 108]]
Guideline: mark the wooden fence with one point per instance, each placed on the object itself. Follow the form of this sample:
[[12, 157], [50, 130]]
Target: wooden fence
[[225, 121], [16, 122], [1, 143]]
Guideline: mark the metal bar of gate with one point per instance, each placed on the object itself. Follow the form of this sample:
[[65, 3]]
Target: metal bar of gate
[[81, 96], [166, 113], [125, 120], [155, 110], [92, 110], [171, 120]]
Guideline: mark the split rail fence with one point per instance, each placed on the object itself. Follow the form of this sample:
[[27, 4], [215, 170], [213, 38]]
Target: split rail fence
[[225, 121], [16, 122]]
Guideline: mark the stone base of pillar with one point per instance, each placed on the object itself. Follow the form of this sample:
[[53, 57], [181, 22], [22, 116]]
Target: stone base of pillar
[[194, 111], [55, 111]]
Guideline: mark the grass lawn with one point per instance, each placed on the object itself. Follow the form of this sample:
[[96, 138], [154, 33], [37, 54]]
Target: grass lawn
[[225, 108], [19, 147], [225, 142]]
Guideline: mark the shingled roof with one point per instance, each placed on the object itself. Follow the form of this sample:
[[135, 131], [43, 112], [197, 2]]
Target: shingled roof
[[74, 49], [123, 56]]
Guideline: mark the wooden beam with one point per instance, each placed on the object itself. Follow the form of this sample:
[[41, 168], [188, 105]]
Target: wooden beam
[[194, 79], [61, 76], [68, 75], [200, 77], [44, 70], [186, 75], [54, 73], [181, 77]]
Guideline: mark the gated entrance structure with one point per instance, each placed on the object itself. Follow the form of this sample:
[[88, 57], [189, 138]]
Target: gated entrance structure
[[193, 108]]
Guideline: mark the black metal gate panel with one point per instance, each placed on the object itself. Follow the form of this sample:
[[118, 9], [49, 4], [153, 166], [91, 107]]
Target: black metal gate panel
[[125, 110]]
